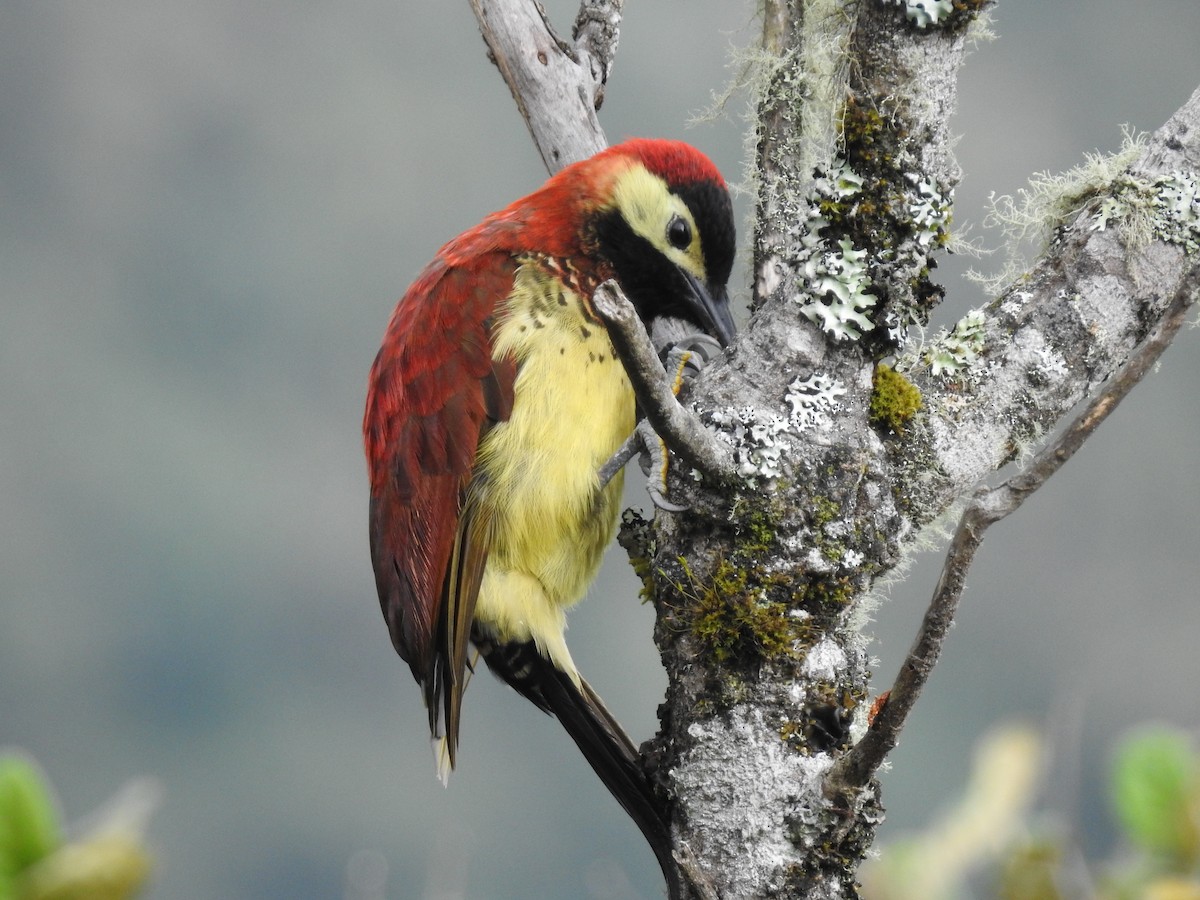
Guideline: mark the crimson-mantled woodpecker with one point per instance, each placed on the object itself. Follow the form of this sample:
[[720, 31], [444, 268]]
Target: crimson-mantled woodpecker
[[495, 399]]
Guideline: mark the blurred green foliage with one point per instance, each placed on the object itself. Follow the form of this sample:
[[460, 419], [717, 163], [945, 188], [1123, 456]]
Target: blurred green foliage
[[38, 862], [1156, 791], [992, 844]]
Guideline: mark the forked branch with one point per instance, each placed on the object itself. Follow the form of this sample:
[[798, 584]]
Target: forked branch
[[988, 506]]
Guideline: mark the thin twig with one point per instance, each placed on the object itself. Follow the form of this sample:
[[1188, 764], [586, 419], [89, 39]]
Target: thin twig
[[699, 880], [682, 431], [989, 505]]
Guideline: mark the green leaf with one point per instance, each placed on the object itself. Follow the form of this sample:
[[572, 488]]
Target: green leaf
[[1155, 785], [29, 828]]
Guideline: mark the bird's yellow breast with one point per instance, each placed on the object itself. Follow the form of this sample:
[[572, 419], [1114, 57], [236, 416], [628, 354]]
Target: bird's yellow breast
[[536, 474]]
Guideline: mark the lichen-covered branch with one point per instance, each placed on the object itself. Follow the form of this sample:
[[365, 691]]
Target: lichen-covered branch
[[989, 505], [1009, 372]]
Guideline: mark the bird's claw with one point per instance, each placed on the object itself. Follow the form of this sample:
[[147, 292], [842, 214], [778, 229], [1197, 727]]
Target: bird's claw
[[655, 460], [620, 459], [682, 359]]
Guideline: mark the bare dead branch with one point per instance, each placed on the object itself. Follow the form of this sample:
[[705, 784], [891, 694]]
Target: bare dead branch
[[557, 86], [597, 32]]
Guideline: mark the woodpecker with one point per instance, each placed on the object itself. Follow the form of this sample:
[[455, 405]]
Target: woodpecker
[[494, 401]]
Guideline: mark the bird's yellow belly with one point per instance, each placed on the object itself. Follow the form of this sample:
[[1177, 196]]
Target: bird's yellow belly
[[537, 473]]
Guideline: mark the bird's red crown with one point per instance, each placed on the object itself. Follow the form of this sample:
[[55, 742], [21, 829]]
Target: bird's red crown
[[674, 161]]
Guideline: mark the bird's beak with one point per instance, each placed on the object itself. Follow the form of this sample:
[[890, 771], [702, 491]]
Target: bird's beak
[[710, 303]]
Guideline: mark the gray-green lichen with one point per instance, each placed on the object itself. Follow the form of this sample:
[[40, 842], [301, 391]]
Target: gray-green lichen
[[1167, 208], [759, 439], [952, 353], [923, 14]]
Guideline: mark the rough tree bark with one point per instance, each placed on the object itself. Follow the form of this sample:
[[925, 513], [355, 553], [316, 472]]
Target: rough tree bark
[[758, 586]]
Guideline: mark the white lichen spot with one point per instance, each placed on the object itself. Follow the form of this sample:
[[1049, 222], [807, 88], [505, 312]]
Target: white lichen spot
[[1051, 366], [746, 798], [797, 692], [813, 401], [1178, 201], [846, 182], [1111, 209], [814, 560], [852, 559], [953, 353], [1014, 303], [839, 281], [930, 211], [825, 661], [759, 438], [756, 440], [924, 12]]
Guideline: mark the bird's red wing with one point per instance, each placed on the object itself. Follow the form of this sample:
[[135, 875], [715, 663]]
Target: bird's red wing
[[434, 391]]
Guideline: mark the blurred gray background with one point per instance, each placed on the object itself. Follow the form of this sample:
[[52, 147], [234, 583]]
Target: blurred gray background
[[207, 211]]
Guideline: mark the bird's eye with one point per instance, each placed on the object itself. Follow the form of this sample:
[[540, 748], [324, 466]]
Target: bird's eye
[[679, 233]]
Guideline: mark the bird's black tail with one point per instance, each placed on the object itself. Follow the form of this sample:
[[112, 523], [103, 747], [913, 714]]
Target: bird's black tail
[[604, 744]]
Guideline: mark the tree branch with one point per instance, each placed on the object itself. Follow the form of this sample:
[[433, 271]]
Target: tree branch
[[597, 32], [557, 86], [854, 770], [1050, 340], [681, 430]]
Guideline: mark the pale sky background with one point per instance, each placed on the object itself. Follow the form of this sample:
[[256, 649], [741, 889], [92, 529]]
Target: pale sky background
[[207, 211]]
